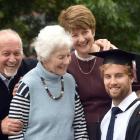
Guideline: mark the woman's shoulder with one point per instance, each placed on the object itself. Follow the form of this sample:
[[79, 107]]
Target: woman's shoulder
[[30, 77], [69, 77], [73, 54]]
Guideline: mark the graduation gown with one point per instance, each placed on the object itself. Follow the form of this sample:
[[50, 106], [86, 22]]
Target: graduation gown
[[133, 129]]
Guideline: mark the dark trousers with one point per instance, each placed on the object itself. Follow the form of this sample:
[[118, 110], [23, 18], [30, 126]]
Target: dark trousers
[[94, 131]]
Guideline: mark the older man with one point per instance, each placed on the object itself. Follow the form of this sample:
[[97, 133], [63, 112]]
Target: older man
[[12, 68]]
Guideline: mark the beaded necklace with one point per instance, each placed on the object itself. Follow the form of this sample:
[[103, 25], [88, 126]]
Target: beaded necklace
[[48, 91]]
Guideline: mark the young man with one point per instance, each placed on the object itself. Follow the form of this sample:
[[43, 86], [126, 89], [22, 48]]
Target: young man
[[118, 76], [12, 68]]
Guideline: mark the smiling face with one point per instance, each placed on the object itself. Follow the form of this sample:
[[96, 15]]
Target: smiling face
[[10, 54], [58, 61], [83, 40], [117, 81]]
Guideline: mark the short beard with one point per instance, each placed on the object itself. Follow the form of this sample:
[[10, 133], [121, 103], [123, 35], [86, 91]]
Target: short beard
[[10, 73]]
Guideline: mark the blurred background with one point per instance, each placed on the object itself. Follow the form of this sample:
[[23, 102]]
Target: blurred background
[[117, 20]]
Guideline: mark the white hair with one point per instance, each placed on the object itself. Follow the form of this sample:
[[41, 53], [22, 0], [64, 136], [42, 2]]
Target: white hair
[[50, 38], [6, 34]]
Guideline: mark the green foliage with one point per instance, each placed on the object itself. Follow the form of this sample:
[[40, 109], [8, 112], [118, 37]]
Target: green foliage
[[117, 20]]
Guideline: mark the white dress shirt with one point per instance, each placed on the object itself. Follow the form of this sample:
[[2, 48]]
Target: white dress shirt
[[5, 80], [122, 120]]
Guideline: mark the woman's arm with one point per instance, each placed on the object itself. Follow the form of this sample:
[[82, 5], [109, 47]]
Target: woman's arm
[[19, 109], [80, 129]]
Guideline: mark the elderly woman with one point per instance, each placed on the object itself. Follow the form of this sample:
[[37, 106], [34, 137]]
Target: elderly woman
[[46, 101]]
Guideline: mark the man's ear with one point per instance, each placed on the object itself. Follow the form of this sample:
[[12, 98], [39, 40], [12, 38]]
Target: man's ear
[[132, 80], [138, 93], [137, 59], [93, 34]]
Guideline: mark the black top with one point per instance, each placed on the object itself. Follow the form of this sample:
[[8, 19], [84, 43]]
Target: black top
[[133, 129], [6, 93]]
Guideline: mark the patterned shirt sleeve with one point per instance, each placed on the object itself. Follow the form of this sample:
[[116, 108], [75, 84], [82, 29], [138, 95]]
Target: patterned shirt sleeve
[[19, 109], [80, 129]]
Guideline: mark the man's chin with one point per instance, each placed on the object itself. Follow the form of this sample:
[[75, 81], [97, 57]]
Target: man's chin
[[10, 73], [114, 94]]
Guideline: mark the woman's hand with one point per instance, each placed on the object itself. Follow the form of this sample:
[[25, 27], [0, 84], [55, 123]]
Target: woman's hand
[[104, 44]]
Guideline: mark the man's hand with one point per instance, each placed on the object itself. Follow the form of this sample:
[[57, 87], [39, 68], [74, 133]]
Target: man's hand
[[15, 89], [11, 126]]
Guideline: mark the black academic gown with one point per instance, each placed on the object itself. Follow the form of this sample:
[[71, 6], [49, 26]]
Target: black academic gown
[[6, 93], [133, 129]]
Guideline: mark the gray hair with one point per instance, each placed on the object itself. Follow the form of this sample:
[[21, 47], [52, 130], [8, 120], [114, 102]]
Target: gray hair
[[50, 38], [9, 33]]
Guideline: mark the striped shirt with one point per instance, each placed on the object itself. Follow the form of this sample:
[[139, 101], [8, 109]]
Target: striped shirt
[[20, 107]]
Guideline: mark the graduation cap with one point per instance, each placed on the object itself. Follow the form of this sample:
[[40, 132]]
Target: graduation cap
[[116, 56], [121, 57]]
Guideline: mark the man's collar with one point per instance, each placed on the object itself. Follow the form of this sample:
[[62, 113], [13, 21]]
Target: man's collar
[[4, 77]]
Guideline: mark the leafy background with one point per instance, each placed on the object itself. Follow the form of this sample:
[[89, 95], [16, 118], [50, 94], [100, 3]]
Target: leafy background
[[117, 20]]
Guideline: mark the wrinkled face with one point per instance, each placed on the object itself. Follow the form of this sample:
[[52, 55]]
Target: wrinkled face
[[117, 82], [10, 57], [58, 61], [83, 40]]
